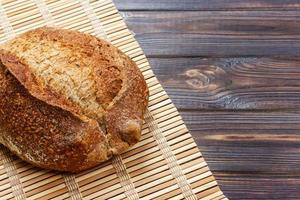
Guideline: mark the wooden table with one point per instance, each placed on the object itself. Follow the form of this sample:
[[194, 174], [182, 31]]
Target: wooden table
[[233, 70]]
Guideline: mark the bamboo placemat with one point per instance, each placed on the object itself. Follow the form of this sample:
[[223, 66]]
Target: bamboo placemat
[[166, 164]]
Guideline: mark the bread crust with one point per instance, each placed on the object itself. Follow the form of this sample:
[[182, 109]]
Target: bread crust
[[46, 127], [44, 135]]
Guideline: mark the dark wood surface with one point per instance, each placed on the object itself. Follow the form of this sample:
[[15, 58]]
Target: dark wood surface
[[232, 68]]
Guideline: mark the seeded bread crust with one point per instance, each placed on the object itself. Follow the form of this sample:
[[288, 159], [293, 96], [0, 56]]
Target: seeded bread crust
[[91, 95]]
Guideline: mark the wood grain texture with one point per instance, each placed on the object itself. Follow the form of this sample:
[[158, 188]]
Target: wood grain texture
[[253, 155], [257, 142], [230, 83], [232, 69], [216, 33], [269, 186], [207, 4]]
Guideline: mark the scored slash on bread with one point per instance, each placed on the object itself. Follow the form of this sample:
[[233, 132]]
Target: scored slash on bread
[[68, 100]]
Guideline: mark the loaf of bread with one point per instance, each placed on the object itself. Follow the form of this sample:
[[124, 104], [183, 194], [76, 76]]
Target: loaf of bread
[[68, 100]]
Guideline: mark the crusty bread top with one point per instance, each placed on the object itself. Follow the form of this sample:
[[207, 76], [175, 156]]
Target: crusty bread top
[[84, 75], [44, 135], [86, 71]]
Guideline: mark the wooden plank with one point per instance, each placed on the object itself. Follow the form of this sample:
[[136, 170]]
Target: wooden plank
[[216, 34], [230, 83], [239, 147], [264, 186], [247, 141], [207, 4]]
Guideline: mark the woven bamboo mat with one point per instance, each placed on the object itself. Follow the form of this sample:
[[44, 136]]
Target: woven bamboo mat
[[166, 164]]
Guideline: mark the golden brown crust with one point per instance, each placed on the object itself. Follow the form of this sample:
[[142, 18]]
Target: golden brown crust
[[116, 89], [44, 135], [25, 76]]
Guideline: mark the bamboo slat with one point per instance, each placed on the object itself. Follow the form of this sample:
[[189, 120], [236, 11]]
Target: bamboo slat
[[165, 164]]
